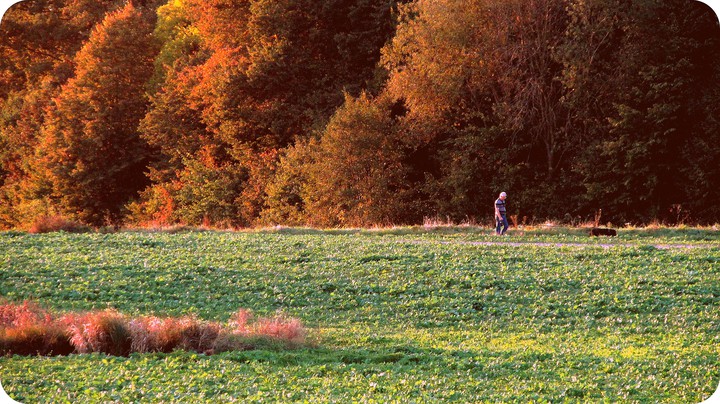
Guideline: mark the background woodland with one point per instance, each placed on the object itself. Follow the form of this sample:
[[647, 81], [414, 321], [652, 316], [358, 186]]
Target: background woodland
[[239, 113]]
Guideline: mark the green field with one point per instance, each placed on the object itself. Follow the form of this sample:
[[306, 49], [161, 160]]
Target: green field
[[397, 316]]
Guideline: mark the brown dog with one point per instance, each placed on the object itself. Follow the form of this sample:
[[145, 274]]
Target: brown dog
[[601, 231]]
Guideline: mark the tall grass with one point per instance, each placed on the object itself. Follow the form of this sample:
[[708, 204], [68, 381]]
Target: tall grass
[[27, 329], [47, 224], [106, 331], [154, 334]]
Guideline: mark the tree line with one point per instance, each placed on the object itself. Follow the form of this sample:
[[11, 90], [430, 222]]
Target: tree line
[[358, 112]]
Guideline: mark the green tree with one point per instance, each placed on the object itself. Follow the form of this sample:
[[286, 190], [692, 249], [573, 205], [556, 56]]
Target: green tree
[[284, 203], [357, 177], [644, 95]]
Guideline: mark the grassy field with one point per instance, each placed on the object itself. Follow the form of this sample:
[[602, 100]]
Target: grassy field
[[402, 315]]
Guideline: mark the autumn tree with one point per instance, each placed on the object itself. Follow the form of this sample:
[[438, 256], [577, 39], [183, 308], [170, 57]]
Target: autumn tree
[[40, 39], [244, 80], [588, 100], [445, 68], [90, 151], [303, 56], [358, 112]]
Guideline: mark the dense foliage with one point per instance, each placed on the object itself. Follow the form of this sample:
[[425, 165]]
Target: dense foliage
[[398, 315], [358, 112]]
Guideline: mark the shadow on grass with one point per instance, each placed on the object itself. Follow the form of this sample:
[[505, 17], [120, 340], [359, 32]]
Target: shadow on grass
[[399, 354]]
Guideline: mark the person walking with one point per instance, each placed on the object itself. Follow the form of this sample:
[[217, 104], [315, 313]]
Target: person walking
[[501, 215]]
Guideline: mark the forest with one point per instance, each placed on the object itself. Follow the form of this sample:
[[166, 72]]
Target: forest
[[347, 113]]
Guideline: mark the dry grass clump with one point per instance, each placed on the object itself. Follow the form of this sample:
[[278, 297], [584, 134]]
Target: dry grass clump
[[280, 327], [288, 330], [29, 330], [154, 334], [14, 315], [47, 224], [198, 336], [104, 331], [245, 332], [35, 340]]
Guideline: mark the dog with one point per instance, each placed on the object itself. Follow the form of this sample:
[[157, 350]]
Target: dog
[[601, 231]]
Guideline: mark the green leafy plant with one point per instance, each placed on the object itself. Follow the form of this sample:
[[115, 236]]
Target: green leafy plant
[[391, 315]]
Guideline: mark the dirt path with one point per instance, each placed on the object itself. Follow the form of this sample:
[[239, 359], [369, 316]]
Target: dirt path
[[603, 245], [672, 246]]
